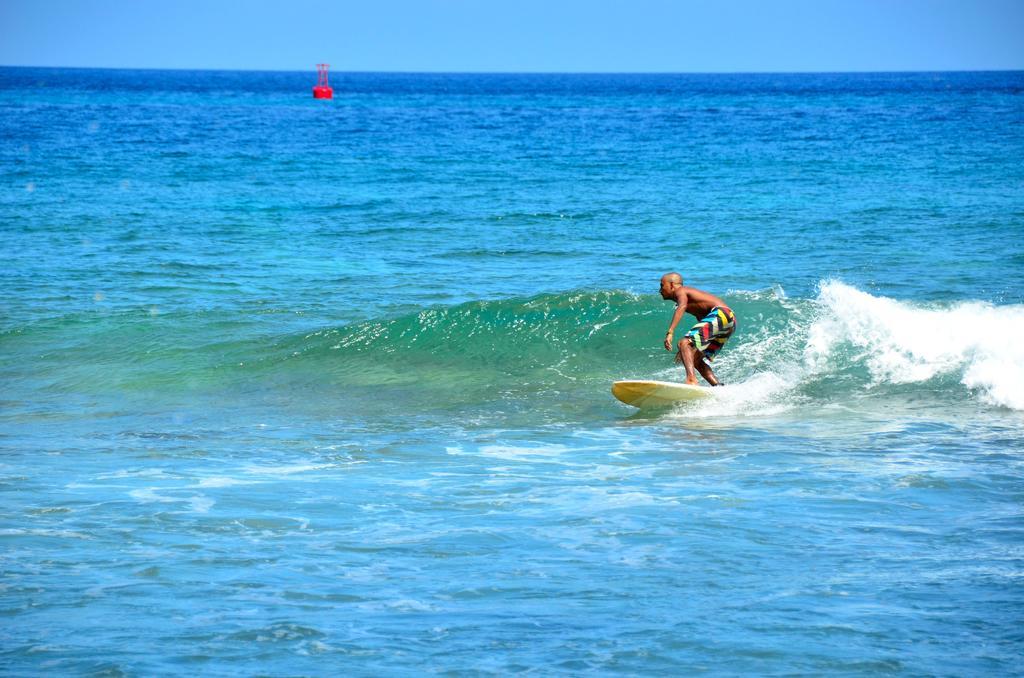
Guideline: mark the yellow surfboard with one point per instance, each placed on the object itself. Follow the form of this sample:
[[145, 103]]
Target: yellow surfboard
[[649, 394]]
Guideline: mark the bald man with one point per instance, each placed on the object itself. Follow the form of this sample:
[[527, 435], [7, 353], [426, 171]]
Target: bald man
[[716, 323]]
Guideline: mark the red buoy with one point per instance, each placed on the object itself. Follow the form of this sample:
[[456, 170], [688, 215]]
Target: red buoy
[[322, 90]]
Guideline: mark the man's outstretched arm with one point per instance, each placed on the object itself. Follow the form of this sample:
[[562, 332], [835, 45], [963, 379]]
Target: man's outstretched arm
[[681, 300]]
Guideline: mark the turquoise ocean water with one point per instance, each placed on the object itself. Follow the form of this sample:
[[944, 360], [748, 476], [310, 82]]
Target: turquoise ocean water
[[294, 387]]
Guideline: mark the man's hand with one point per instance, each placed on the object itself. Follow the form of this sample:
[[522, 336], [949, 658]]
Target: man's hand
[[668, 340]]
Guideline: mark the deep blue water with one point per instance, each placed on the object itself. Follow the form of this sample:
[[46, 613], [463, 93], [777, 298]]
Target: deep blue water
[[302, 387]]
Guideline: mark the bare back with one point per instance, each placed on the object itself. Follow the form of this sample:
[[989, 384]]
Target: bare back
[[698, 302]]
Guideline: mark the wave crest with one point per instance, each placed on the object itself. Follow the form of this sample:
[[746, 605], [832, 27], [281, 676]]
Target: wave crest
[[902, 343]]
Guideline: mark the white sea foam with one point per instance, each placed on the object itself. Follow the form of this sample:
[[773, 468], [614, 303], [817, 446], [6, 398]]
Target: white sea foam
[[284, 469], [519, 453], [900, 342], [895, 342], [197, 503], [763, 394], [223, 481], [149, 495]]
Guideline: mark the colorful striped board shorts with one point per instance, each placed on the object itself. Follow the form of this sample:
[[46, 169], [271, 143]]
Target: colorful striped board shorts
[[711, 333]]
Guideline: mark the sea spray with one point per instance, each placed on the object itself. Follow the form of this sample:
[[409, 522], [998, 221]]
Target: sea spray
[[848, 345], [902, 342]]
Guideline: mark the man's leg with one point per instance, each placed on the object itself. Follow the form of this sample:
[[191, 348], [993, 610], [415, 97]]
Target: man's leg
[[693, 360], [705, 370], [687, 355]]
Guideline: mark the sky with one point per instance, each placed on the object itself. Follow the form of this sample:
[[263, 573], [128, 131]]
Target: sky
[[607, 36]]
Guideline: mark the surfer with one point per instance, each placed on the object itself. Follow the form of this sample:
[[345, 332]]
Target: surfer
[[715, 324]]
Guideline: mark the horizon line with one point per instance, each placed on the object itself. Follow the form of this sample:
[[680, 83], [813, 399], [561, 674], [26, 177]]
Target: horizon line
[[512, 72]]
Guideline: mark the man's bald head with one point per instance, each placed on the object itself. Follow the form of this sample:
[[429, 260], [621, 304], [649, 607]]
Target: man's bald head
[[669, 282]]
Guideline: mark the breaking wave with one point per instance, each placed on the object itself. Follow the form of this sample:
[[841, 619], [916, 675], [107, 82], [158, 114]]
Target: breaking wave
[[841, 345]]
